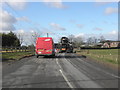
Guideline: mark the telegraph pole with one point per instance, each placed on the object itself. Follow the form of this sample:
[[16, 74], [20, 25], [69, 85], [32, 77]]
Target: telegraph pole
[[47, 34]]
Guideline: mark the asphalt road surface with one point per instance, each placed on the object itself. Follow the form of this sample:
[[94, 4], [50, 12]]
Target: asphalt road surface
[[66, 70]]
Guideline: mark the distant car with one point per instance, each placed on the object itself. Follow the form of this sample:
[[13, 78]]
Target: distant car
[[45, 47], [56, 50]]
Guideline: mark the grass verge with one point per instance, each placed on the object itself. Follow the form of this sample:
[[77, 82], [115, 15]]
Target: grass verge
[[15, 55], [107, 55]]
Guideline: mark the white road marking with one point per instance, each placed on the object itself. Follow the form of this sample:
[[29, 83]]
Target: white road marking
[[110, 74], [58, 63], [66, 79], [79, 76], [69, 84]]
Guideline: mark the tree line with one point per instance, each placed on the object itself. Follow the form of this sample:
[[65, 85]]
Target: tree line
[[10, 40], [79, 41]]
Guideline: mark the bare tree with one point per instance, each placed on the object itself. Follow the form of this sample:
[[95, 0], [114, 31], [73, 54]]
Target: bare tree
[[102, 38], [34, 36], [20, 37], [92, 41], [71, 38], [78, 41]]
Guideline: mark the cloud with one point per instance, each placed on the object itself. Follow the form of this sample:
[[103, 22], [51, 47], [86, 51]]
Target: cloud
[[8, 21], [7, 17], [112, 35], [17, 5], [111, 10], [105, 1], [114, 32], [80, 25], [80, 35], [98, 29], [23, 19], [57, 27], [7, 27], [46, 30], [100, 2], [55, 3], [21, 31]]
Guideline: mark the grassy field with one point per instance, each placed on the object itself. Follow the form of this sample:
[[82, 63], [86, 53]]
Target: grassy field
[[15, 55], [106, 55]]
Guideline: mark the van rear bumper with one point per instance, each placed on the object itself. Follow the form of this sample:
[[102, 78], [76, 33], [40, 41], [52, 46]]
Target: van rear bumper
[[45, 54]]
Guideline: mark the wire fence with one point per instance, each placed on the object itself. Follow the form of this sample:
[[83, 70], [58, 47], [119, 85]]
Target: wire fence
[[110, 55], [16, 49]]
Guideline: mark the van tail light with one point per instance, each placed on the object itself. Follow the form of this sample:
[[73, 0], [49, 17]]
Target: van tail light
[[50, 50], [40, 49]]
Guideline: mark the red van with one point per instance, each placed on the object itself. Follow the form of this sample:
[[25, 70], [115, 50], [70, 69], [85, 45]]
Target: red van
[[45, 46]]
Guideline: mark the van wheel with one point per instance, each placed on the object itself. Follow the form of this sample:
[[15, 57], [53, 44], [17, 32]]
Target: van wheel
[[53, 55], [37, 56]]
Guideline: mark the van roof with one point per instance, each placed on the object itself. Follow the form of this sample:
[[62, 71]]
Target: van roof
[[42, 38], [45, 37]]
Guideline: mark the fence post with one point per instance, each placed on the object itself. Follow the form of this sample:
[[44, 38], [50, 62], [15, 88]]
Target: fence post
[[88, 51]]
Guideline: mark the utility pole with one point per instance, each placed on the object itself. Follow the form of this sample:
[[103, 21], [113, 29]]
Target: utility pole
[[47, 34]]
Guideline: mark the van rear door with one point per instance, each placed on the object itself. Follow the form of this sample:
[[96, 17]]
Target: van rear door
[[40, 44], [44, 45]]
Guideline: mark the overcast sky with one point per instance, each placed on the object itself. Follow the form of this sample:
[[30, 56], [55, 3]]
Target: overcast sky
[[61, 18]]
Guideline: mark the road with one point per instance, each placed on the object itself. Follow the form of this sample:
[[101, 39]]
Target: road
[[66, 70]]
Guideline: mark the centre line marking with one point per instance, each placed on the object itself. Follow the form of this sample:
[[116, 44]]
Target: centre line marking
[[66, 79], [58, 63]]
